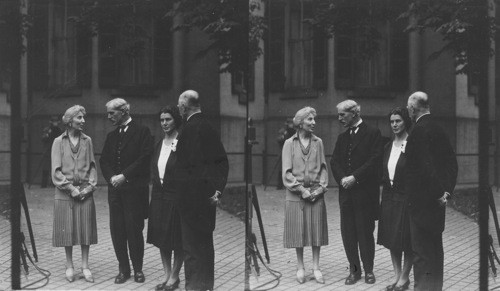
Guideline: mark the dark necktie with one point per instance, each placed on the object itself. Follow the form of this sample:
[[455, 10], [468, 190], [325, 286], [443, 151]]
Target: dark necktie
[[352, 130], [121, 130]]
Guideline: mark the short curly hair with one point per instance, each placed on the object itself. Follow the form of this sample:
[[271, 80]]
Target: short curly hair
[[72, 112], [403, 112], [302, 114], [174, 111]]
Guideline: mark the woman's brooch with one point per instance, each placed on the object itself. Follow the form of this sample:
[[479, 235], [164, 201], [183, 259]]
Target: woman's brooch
[[174, 145]]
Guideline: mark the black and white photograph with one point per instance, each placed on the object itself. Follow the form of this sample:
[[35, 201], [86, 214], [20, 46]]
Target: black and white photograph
[[249, 145]]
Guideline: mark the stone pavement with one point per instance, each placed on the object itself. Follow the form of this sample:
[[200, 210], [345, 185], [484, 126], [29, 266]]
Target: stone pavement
[[460, 238], [461, 246], [228, 240]]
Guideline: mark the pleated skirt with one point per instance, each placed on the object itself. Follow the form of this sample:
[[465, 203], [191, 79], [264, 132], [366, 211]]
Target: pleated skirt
[[305, 224], [74, 223], [164, 225], [394, 226]]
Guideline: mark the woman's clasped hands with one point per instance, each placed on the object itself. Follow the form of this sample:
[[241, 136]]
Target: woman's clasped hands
[[310, 196], [81, 195]]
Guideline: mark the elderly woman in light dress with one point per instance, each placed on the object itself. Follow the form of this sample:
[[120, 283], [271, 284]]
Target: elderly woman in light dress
[[74, 176], [305, 177]]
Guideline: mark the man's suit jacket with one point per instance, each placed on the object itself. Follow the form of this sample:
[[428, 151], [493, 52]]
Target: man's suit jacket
[[201, 169], [135, 154], [431, 170], [365, 159]]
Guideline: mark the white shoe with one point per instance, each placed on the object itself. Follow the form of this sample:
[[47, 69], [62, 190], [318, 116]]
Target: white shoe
[[318, 276]]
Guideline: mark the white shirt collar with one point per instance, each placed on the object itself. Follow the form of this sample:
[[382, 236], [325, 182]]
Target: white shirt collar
[[127, 121], [357, 123], [125, 124]]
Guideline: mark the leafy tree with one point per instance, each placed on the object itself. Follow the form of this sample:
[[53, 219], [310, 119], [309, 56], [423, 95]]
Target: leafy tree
[[12, 26], [356, 16], [233, 29], [464, 25]]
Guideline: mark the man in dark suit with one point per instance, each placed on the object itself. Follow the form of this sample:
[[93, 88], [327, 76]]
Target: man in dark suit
[[431, 178], [355, 162], [201, 173], [125, 166]]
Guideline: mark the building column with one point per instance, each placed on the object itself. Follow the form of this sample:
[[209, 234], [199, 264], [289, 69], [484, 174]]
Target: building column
[[415, 60], [178, 56], [94, 81]]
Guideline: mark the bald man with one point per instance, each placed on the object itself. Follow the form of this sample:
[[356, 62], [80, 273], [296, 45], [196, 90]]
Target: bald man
[[431, 178], [201, 172]]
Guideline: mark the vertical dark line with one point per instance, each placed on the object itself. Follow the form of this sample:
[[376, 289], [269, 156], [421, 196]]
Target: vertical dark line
[[248, 196], [16, 134], [483, 155]]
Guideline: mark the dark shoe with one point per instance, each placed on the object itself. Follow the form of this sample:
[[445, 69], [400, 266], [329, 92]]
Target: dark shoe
[[139, 277], [369, 278], [172, 286], [161, 286], [352, 278], [390, 287], [121, 278], [403, 287]]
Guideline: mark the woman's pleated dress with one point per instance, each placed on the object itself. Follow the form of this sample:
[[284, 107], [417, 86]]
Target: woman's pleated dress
[[304, 168], [73, 168], [164, 227]]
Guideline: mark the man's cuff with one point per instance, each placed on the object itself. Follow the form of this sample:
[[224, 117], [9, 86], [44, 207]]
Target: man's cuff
[[126, 180], [218, 193]]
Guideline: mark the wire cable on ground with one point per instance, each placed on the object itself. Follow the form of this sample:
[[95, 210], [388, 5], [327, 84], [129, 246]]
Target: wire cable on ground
[[45, 273], [255, 253]]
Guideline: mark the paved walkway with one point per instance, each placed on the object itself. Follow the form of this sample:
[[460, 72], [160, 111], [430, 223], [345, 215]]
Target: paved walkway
[[228, 239], [461, 247]]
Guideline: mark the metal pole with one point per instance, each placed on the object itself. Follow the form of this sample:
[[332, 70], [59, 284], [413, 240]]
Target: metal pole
[[248, 194], [483, 158], [16, 135]]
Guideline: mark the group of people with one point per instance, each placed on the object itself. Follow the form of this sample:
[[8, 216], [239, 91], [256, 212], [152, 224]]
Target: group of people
[[188, 169], [417, 170]]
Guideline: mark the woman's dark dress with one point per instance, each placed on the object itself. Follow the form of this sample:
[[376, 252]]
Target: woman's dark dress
[[394, 224], [164, 228]]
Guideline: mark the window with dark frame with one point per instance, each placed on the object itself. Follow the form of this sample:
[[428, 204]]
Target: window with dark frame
[[60, 57], [140, 56], [38, 37], [70, 48], [305, 48], [275, 46], [239, 85], [386, 69]]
